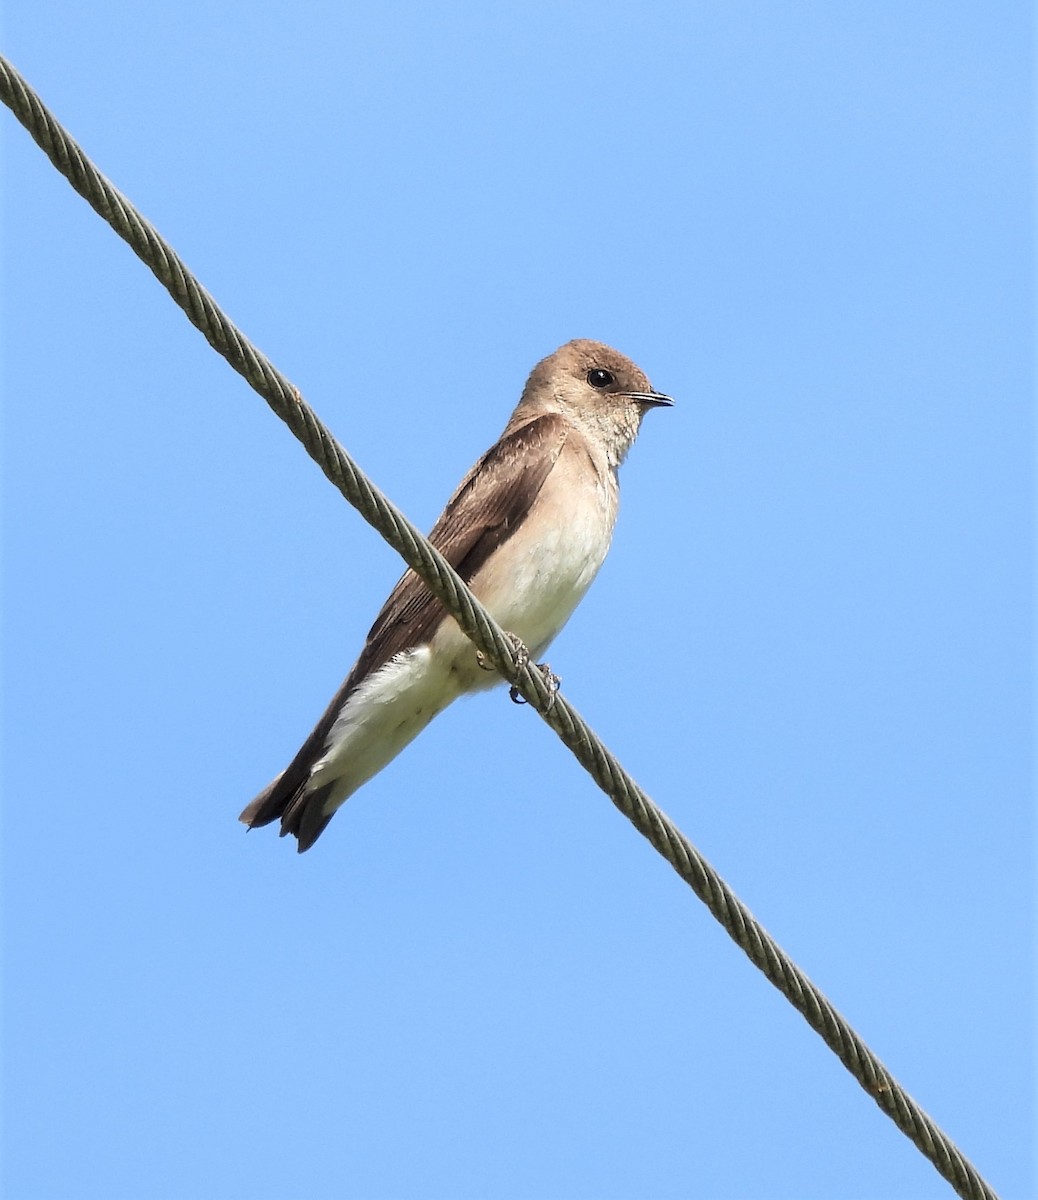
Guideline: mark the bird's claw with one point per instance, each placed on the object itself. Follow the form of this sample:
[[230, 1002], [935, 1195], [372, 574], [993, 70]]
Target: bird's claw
[[551, 681], [522, 659], [522, 655]]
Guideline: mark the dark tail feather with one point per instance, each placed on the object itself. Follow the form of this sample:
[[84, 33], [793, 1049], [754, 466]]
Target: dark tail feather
[[268, 805], [305, 817], [301, 812]]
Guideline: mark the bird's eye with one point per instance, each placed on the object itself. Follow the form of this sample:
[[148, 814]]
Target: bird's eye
[[599, 378]]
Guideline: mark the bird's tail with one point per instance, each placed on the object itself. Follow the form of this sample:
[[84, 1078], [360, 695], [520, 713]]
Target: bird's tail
[[300, 811]]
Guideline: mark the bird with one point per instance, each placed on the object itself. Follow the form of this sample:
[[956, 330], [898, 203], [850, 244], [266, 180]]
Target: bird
[[527, 529]]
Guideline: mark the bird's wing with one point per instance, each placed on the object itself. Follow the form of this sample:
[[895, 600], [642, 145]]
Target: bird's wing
[[488, 506]]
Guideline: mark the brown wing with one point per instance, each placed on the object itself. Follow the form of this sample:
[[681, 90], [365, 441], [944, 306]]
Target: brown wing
[[483, 513]]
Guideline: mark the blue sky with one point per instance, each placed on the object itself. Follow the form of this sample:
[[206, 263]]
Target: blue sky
[[812, 642]]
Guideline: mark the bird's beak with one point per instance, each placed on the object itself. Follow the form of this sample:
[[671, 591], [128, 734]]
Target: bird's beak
[[652, 399]]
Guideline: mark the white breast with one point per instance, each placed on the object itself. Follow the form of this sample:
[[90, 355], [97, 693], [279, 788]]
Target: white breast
[[533, 583]]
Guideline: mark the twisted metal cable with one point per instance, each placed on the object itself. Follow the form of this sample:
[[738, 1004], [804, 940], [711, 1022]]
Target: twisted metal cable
[[488, 637]]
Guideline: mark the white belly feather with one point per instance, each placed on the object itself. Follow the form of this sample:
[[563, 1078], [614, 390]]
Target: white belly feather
[[530, 587]]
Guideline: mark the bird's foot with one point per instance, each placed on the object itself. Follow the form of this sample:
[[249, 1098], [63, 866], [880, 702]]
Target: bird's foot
[[522, 659], [551, 681], [522, 655]]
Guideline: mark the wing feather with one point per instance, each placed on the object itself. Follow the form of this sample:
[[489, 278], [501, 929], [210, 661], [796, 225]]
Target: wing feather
[[487, 508]]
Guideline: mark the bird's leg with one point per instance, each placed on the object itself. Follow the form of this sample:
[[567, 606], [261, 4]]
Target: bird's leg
[[551, 681], [522, 658], [522, 655]]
